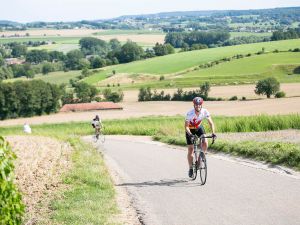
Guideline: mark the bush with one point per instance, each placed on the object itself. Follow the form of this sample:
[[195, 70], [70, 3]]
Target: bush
[[12, 207], [244, 98], [280, 94], [116, 96], [233, 98]]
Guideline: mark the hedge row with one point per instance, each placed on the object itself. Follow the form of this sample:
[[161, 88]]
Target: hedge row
[[11, 205]]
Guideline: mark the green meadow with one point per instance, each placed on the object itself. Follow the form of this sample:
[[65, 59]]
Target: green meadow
[[283, 66], [58, 77], [180, 62], [58, 40]]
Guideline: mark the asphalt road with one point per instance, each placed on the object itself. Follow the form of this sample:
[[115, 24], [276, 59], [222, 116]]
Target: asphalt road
[[236, 192]]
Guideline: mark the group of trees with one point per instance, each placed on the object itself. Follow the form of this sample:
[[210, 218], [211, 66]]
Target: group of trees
[[93, 53], [284, 35], [28, 98]]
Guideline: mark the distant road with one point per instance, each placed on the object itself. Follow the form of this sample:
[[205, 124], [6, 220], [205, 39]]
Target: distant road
[[155, 176]]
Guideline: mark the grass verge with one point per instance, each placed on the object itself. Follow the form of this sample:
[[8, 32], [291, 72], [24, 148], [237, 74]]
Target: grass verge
[[90, 196]]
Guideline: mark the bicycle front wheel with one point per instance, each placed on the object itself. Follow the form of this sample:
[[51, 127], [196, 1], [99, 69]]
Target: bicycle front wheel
[[203, 169]]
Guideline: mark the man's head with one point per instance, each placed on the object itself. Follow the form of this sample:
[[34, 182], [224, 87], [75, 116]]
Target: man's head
[[198, 101], [97, 117]]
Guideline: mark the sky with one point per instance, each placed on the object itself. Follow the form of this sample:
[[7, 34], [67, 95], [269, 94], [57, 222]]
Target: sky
[[76, 10]]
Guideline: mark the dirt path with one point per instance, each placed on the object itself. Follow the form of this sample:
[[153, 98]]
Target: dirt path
[[39, 166]]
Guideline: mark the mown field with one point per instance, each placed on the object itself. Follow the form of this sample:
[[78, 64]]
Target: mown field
[[181, 62], [283, 66]]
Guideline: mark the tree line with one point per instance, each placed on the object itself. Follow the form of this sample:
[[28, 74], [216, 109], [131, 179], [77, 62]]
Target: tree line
[[284, 35], [182, 39], [93, 53], [28, 98]]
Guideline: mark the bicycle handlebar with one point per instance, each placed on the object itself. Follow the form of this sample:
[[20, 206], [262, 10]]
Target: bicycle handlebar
[[195, 137]]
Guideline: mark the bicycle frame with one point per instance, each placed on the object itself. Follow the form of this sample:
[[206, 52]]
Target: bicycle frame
[[195, 144], [199, 161]]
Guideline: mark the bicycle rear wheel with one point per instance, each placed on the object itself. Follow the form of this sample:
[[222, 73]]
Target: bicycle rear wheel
[[195, 169], [102, 137], [203, 169]]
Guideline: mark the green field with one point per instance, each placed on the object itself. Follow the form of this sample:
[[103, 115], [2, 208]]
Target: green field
[[58, 40], [249, 69], [247, 34], [59, 77], [171, 64]]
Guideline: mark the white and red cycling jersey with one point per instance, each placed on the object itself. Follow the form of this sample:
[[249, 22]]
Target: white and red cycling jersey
[[194, 120]]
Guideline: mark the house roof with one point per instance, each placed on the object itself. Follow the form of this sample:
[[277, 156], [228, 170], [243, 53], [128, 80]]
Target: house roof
[[89, 106]]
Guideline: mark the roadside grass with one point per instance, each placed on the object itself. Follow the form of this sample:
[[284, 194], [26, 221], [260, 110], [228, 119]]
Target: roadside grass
[[175, 63], [90, 195]]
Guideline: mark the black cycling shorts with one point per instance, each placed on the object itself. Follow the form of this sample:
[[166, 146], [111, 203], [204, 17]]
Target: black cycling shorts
[[198, 132]]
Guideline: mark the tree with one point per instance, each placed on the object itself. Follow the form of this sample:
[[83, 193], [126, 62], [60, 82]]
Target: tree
[[47, 68], [18, 50], [98, 62], [93, 46], [268, 86], [114, 96], [85, 92], [204, 89], [73, 59], [129, 52], [114, 44], [37, 56]]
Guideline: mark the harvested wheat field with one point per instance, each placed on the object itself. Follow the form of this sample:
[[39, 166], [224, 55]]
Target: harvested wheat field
[[40, 163], [51, 32]]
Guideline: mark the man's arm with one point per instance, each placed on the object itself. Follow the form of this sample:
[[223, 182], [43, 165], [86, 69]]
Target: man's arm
[[211, 124], [187, 129]]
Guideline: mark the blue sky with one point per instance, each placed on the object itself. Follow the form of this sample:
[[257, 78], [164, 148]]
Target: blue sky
[[74, 10]]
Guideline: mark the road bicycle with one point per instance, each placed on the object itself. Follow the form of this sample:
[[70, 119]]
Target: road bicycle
[[99, 135], [199, 160]]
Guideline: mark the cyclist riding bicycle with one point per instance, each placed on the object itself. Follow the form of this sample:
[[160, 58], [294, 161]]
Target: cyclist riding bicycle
[[193, 125], [97, 124]]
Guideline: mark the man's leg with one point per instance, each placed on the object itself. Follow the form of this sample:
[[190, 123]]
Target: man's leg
[[190, 155], [190, 159], [204, 145]]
